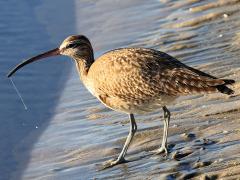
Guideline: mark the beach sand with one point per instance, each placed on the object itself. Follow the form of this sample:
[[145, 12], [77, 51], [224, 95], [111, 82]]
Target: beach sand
[[67, 133]]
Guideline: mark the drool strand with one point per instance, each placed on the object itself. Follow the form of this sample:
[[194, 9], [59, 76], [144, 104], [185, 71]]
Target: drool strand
[[18, 93]]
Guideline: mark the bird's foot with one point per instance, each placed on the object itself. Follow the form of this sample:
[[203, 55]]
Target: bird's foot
[[161, 150], [112, 162]]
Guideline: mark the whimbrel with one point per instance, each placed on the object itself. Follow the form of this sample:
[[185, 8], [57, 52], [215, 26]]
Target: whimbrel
[[134, 81]]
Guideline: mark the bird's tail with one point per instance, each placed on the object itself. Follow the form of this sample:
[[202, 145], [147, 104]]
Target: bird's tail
[[224, 89]]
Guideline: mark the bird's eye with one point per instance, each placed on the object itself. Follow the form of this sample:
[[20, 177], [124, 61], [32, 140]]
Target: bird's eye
[[71, 46]]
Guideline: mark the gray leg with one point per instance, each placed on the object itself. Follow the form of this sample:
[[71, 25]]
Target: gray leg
[[166, 115], [120, 159]]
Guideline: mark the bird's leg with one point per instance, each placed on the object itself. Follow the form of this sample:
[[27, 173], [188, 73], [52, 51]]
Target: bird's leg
[[120, 159], [163, 148], [167, 115]]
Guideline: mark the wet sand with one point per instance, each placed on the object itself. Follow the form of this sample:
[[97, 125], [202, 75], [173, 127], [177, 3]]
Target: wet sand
[[76, 133]]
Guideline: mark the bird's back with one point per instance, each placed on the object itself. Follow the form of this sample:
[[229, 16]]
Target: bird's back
[[140, 75]]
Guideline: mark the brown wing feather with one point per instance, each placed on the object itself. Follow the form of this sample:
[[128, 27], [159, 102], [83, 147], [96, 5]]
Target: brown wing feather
[[182, 79], [187, 82], [137, 73]]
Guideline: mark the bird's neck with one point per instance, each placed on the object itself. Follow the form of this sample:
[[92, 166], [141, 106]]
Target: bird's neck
[[84, 58], [83, 65]]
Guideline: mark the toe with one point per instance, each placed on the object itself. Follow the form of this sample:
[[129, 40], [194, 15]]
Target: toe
[[161, 150], [112, 163]]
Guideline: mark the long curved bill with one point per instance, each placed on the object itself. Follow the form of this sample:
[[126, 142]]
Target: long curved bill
[[53, 52]]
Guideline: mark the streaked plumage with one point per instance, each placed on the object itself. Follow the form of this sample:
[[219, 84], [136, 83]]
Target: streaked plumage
[[135, 80]]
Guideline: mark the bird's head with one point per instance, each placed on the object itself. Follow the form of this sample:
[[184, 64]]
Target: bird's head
[[76, 47]]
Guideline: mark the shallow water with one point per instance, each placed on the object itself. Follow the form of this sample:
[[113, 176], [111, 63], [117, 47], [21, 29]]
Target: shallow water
[[66, 131]]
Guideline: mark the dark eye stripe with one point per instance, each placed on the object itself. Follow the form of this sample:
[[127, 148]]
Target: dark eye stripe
[[72, 45]]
